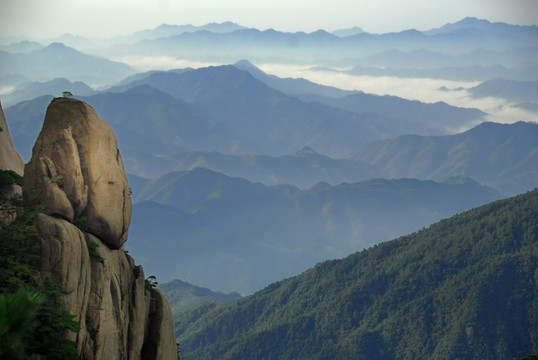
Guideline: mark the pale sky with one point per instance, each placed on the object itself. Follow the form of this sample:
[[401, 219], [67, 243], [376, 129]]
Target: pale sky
[[108, 18]]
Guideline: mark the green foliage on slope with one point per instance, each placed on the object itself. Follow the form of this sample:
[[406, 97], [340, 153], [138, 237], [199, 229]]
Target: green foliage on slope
[[33, 320], [465, 288]]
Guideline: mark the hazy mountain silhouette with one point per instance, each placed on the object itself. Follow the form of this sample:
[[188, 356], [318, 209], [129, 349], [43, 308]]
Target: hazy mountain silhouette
[[25, 120], [303, 168], [282, 47], [58, 60], [55, 87], [274, 122], [278, 123], [348, 32], [230, 234], [512, 90], [166, 30], [501, 155], [25, 46], [288, 85], [184, 296], [405, 116]]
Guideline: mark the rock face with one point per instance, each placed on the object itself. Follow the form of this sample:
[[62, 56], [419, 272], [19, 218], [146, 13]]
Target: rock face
[[76, 171], [9, 158]]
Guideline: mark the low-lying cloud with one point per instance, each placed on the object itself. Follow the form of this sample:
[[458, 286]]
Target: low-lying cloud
[[147, 63], [427, 90]]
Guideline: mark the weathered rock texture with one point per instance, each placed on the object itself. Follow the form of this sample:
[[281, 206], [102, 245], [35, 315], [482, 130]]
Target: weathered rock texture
[[76, 171], [9, 158]]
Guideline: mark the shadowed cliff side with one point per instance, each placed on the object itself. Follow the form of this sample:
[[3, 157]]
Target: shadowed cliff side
[[9, 160], [77, 173]]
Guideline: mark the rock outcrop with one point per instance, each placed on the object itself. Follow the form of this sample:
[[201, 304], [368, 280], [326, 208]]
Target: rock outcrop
[[9, 158], [76, 171]]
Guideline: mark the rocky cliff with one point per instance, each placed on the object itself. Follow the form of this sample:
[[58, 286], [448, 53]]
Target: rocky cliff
[[9, 159], [76, 172]]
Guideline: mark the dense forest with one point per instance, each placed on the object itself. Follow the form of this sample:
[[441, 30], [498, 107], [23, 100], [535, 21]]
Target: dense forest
[[465, 288]]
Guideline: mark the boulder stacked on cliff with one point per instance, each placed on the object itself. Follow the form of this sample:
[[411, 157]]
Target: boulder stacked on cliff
[[76, 173]]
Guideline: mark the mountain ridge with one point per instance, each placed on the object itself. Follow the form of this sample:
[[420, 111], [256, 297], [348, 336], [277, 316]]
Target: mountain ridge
[[232, 221], [460, 289]]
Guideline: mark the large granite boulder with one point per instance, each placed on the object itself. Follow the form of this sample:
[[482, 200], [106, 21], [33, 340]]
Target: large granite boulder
[[77, 172]]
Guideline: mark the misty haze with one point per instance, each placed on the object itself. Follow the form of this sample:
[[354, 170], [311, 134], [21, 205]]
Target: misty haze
[[252, 192]]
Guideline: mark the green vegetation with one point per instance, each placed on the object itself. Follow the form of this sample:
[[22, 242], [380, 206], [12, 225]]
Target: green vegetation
[[33, 320], [465, 288], [58, 179], [94, 254], [81, 222], [8, 177], [150, 282], [17, 321]]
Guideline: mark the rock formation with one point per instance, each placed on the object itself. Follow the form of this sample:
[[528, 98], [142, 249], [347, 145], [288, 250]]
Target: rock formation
[[9, 158], [76, 171]]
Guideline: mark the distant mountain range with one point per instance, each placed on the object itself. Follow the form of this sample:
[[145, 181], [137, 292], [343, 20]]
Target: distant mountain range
[[511, 90], [228, 110], [28, 91], [501, 155], [213, 117], [230, 234], [303, 169], [468, 50], [463, 288], [166, 30], [58, 60], [465, 36], [22, 47]]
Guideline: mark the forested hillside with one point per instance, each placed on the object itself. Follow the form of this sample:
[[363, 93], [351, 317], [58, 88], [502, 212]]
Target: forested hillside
[[465, 288]]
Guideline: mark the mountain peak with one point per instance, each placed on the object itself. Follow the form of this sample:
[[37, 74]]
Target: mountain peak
[[246, 63], [348, 32], [470, 20], [58, 46]]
